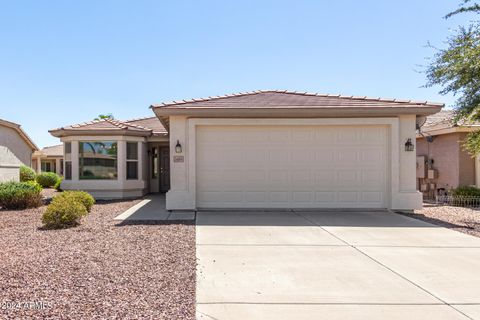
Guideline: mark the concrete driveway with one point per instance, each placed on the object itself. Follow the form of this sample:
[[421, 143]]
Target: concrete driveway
[[333, 265]]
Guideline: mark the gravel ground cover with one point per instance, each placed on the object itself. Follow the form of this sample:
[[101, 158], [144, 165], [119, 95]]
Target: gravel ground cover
[[48, 194], [103, 269], [466, 220]]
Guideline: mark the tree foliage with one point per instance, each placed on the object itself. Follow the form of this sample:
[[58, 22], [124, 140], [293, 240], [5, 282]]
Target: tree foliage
[[457, 70], [465, 6], [104, 116]]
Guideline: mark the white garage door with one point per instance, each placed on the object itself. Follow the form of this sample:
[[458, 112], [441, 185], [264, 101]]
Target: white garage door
[[291, 166]]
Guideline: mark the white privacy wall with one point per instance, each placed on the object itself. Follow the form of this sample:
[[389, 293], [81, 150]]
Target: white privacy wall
[[401, 186]]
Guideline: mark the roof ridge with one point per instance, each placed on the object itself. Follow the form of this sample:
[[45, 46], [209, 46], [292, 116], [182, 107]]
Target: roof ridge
[[141, 118], [340, 96], [56, 145], [124, 125]]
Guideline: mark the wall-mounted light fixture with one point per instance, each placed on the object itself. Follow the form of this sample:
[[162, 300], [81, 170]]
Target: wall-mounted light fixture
[[409, 145], [178, 147]]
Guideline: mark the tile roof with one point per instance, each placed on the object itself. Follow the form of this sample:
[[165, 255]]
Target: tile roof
[[443, 117], [105, 124], [149, 122], [149, 125], [444, 120], [291, 99], [53, 151]]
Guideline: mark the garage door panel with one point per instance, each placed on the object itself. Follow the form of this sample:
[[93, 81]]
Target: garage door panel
[[279, 196], [348, 196], [371, 196], [291, 166]]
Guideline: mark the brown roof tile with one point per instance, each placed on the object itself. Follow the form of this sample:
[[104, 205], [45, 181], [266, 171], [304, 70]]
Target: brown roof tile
[[53, 151], [149, 125], [444, 120], [282, 98]]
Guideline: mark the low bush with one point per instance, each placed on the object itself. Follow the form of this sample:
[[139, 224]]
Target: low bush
[[20, 195], [27, 174], [464, 196], [63, 213], [48, 179], [76, 196], [57, 185], [465, 191]]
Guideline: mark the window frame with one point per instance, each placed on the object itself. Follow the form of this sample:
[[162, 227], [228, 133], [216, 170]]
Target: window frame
[[67, 160], [133, 160]]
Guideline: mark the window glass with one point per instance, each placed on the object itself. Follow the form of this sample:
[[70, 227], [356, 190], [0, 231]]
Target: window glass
[[68, 151], [68, 170], [68, 147], [46, 166], [154, 163], [98, 160], [132, 170], [132, 151]]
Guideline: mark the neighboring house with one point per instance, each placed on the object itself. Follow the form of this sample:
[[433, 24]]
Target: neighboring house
[[262, 149], [440, 153], [49, 159], [16, 149]]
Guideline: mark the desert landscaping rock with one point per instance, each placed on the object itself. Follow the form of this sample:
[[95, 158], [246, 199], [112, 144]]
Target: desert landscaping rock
[[466, 220], [101, 269]]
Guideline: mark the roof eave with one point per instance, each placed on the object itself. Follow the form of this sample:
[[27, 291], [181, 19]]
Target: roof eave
[[447, 130], [62, 132]]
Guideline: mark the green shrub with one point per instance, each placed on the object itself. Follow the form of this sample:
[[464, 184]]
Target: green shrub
[[27, 174], [57, 185], [465, 191], [464, 196], [20, 195], [76, 196], [63, 213], [47, 179]]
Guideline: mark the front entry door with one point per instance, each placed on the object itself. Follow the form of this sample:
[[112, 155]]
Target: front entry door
[[164, 169]]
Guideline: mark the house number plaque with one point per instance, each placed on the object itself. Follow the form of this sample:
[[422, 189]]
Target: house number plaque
[[178, 159]]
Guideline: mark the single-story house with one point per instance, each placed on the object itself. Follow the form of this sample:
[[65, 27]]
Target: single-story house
[[261, 149], [49, 159], [442, 162], [16, 149]]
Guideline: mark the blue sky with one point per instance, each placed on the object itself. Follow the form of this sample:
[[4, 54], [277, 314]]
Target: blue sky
[[64, 62]]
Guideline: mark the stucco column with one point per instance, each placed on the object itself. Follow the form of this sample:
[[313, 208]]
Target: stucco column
[[408, 170], [178, 170], [75, 161], [39, 165], [181, 195], [57, 166]]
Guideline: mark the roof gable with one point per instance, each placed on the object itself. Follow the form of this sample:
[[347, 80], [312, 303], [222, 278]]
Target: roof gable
[[21, 132], [142, 127]]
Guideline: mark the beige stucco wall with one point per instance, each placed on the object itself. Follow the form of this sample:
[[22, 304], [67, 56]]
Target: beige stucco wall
[[455, 166], [14, 152], [402, 177]]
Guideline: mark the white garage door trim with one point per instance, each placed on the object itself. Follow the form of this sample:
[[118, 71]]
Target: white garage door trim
[[392, 166]]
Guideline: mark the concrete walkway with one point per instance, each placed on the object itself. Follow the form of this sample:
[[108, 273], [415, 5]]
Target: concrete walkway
[[152, 208], [333, 265]]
